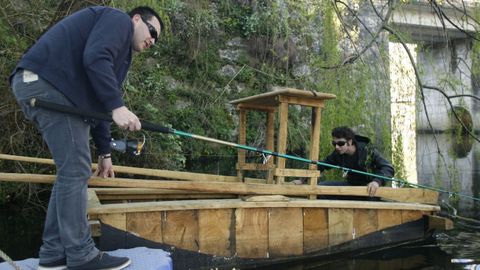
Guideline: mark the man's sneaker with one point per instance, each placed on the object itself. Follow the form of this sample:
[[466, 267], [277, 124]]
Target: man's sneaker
[[103, 261], [56, 265]]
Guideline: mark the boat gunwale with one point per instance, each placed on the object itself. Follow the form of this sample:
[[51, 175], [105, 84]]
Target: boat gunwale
[[98, 208]]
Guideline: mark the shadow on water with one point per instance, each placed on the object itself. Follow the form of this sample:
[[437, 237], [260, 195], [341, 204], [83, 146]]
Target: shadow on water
[[446, 251]]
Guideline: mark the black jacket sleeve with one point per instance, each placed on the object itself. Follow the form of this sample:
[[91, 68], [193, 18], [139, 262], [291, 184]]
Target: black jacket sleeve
[[330, 159], [380, 166], [101, 137]]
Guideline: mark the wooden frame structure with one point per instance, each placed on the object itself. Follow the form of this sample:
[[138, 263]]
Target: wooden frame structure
[[279, 101]]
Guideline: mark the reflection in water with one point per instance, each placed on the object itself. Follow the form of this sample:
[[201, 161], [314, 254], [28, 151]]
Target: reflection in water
[[461, 146], [452, 250], [451, 163]]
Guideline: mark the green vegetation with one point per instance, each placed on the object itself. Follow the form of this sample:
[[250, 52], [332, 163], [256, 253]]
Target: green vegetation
[[210, 53]]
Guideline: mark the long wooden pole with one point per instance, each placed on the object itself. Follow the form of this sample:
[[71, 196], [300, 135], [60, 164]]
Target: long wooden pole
[[394, 194], [198, 177]]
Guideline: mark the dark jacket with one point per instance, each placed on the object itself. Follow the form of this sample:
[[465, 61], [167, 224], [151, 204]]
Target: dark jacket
[[366, 159], [86, 56]]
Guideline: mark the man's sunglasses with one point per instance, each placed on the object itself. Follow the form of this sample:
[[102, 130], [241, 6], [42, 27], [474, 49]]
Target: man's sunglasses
[[151, 29], [339, 143]]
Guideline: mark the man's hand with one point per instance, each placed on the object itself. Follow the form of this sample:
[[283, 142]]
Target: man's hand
[[125, 119], [104, 168], [372, 188]]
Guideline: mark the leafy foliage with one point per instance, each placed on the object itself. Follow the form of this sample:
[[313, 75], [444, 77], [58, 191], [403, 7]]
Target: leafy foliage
[[210, 53]]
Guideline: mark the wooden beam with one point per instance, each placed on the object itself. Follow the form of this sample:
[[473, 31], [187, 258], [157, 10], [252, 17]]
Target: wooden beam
[[315, 227], [238, 203], [439, 223], [198, 177], [256, 107], [340, 226], [304, 101], [214, 231], [180, 229], [282, 137], [255, 166], [394, 194], [251, 226], [297, 173], [285, 232]]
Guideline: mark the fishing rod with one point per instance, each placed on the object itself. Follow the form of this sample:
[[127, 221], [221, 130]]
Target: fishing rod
[[34, 102]]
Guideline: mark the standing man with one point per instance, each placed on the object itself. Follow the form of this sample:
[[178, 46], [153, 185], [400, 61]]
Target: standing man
[[355, 152], [82, 62]]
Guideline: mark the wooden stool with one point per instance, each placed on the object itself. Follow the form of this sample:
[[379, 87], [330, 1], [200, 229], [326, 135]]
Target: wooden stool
[[278, 100]]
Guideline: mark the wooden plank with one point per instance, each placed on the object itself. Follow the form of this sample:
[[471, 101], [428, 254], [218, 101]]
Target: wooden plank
[[214, 231], [270, 144], [267, 198], [340, 226], [93, 200], [388, 218], [147, 225], [152, 197], [408, 195], [238, 203], [117, 220], [255, 166], [180, 228], [315, 229], [285, 232], [139, 171], [394, 194], [430, 196], [303, 101], [141, 191], [297, 173], [256, 107], [271, 98], [251, 232], [364, 221], [242, 139], [439, 223], [282, 138], [254, 180], [314, 145], [95, 227], [410, 215]]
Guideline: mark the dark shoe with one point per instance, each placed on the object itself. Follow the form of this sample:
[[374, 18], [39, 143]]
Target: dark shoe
[[56, 265], [103, 261]]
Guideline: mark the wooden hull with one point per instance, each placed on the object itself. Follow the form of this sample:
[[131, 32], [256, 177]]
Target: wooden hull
[[113, 238], [227, 233]]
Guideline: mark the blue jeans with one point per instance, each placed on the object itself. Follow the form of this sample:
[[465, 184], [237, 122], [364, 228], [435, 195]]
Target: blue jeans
[[66, 232]]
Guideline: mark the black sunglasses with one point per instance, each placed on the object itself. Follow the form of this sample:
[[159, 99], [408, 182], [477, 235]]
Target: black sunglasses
[[151, 29], [339, 143]]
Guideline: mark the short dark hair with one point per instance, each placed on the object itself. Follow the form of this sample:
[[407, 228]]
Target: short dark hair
[[147, 13], [343, 132]]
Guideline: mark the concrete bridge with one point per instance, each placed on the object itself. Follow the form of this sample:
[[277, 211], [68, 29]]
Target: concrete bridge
[[440, 41]]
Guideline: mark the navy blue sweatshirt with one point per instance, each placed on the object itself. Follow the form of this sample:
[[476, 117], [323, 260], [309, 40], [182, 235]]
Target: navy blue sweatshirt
[[86, 56]]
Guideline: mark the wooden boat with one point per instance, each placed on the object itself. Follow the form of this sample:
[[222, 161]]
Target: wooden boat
[[259, 230], [211, 221]]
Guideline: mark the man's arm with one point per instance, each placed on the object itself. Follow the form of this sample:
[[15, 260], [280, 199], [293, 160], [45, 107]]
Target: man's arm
[[382, 167], [110, 36]]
